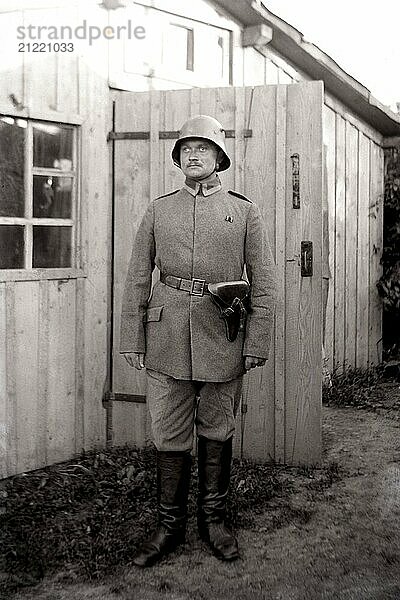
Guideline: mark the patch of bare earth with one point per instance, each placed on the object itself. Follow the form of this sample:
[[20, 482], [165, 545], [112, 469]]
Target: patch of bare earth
[[339, 541]]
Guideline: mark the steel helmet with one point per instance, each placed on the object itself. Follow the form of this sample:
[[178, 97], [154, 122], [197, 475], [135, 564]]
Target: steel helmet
[[202, 126]]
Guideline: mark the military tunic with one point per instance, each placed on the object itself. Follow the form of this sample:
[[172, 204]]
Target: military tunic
[[202, 232]]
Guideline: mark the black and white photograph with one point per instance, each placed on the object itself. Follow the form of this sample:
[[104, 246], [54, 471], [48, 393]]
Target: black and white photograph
[[199, 300]]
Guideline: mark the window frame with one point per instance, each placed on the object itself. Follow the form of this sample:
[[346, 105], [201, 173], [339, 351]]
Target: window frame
[[28, 272]]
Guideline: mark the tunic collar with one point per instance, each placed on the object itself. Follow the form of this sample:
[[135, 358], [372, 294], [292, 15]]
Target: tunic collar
[[207, 186]]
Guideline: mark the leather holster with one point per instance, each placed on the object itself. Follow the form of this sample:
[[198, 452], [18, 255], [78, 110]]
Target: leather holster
[[232, 299]]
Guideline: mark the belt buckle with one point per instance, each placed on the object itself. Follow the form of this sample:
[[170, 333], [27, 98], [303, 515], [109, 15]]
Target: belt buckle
[[195, 289]]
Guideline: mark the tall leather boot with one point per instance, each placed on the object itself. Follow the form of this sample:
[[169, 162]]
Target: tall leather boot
[[173, 479], [214, 459]]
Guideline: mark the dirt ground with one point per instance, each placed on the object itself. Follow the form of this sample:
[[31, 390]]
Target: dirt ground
[[342, 542]]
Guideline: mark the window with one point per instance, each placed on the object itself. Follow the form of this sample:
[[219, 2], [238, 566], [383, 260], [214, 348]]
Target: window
[[214, 45], [37, 194], [178, 48]]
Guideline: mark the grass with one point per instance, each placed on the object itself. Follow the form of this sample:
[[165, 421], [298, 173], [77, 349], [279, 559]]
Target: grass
[[357, 388], [86, 516]]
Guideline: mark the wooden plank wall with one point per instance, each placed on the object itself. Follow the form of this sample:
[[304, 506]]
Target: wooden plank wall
[[37, 373], [92, 374], [281, 402], [354, 172], [354, 185], [132, 163], [264, 168], [303, 313], [267, 68], [53, 332]]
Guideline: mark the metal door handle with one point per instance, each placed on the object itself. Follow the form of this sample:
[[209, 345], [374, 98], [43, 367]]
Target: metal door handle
[[306, 259]]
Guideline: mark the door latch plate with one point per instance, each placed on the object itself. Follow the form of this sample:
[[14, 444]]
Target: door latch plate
[[306, 259]]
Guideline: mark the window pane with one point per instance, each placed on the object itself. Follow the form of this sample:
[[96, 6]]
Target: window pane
[[52, 196], [12, 136], [52, 146], [51, 247], [11, 247], [178, 48]]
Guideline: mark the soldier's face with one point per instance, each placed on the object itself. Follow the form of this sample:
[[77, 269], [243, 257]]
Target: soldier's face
[[198, 158]]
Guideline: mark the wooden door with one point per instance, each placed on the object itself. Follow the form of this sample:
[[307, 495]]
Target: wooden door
[[274, 136]]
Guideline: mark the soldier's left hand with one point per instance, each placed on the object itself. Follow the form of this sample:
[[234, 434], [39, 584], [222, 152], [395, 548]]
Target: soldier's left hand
[[253, 361]]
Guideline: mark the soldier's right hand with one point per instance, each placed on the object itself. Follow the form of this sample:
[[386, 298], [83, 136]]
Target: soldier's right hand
[[135, 359]]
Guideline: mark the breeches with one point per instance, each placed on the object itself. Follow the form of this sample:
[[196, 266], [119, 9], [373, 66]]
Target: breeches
[[175, 405]]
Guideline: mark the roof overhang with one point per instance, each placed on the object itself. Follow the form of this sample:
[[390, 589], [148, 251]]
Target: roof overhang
[[307, 57]]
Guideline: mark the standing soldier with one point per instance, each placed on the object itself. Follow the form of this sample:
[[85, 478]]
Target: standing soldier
[[192, 334]]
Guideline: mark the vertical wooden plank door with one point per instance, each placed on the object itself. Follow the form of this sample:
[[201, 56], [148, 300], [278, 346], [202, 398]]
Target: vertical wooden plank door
[[280, 169], [39, 419]]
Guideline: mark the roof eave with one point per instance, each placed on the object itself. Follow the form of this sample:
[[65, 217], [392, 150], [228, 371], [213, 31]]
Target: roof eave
[[307, 57]]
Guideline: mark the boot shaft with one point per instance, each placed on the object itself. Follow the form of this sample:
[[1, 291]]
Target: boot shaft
[[214, 475], [214, 460], [173, 477], [173, 482]]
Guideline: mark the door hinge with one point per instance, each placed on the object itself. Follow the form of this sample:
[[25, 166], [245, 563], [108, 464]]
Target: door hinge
[[114, 397], [295, 180], [164, 135]]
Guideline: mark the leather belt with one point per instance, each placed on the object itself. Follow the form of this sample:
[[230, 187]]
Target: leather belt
[[195, 287]]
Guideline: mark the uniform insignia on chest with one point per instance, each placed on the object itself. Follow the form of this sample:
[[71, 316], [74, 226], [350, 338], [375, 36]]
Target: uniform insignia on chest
[[229, 219]]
